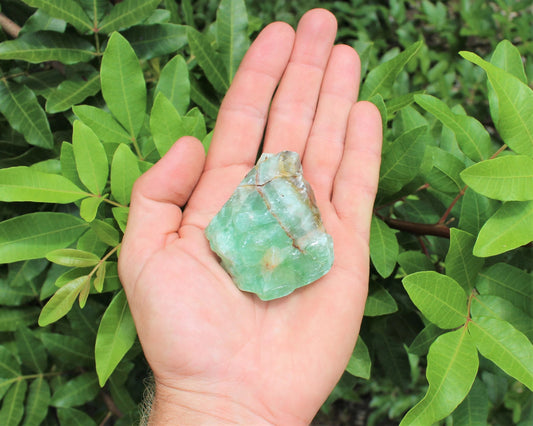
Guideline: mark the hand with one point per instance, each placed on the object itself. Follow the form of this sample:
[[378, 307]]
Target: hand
[[219, 354]]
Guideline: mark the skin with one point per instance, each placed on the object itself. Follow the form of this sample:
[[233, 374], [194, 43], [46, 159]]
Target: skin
[[220, 355]]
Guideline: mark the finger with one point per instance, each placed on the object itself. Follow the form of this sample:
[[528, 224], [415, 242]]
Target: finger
[[356, 181], [325, 146], [156, 198], [242, 115], [294, 105]]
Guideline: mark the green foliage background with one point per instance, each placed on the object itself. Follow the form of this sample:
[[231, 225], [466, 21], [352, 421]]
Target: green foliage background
[[92, 94]]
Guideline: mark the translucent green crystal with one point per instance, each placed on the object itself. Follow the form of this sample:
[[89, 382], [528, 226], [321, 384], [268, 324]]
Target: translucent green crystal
[[269, 235]]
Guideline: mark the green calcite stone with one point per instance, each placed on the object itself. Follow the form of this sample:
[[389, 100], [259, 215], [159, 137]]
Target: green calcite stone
[[269, 235]]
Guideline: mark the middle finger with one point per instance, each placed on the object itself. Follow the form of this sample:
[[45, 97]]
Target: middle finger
[[293, 108]]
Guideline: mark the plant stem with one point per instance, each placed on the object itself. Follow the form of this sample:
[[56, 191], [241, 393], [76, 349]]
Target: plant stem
[[500, 150], [137, 149], [462, 192], [452, 204], [436, 229], [114, 203]]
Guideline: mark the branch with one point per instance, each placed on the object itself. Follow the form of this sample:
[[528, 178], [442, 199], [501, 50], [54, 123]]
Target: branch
[[111, 406], [9, 26], [437, 229]]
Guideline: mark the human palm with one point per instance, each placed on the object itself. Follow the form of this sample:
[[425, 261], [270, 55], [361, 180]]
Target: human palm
[[218, 352]]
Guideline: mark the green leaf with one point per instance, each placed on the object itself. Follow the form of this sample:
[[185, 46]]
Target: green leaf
[[475, 211], [384, 247], [451, 370], [72, 92], [105, 232], [381, 78], [194, 124], [126, 14], [515, 106], [124, 172], [172, 7], [91, 243], [12, 319], [166, 124], [187, 12], [510, 227], [41, 21], [508, 58], [209, 60], [90, 156], [121, 216], [73, 417], [208, 103], [9, 366], [174, 84], [440, 299], [5, 385], [115, 337], [380, 302], [70, 275], [27, 184], [100, 278], [13, 405], [151, 41], [102, 124], [504, 345], [508, 282], [30, 350], [359, 363], [25, 115], [401, 163], [61, 302], [121, 395], [461, 264], [232, 34], [89, 208], [421, 343], [37, 402], [123, 86], [471, 136], [392, 358], [68, 10], [73, 257], [445, 174], [487, 305], [399, 102], [46, 46], [474, 410], [508, 178], [11, 295], [378, 101], [68, 164], [76, 392], [69, 350], [32, 235], [414, 261]]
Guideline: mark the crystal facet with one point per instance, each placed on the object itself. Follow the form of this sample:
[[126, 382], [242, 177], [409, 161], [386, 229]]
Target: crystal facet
[[269, 235]]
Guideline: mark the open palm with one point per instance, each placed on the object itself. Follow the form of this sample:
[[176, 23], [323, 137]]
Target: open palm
[[217, 353]]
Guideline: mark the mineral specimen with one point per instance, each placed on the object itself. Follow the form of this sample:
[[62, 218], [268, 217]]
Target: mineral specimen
[[269, 235]]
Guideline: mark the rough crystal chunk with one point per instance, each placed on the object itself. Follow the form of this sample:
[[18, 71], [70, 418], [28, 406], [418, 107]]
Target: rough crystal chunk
[[269, 235]]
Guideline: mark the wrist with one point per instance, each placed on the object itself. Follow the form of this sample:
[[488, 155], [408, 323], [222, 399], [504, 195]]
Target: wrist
[[189, 406]]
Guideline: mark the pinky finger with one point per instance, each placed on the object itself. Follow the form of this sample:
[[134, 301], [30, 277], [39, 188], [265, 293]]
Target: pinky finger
[[357, 178]]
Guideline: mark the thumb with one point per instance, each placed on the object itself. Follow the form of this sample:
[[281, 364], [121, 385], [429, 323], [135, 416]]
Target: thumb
[[155, 212]]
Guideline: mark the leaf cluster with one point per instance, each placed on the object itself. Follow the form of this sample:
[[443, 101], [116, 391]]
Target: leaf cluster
[[92, 94]]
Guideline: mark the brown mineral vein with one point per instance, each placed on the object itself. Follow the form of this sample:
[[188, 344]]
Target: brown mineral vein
[[269, 208]]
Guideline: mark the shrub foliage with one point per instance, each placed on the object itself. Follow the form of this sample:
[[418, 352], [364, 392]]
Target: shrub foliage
[[92, 94]]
